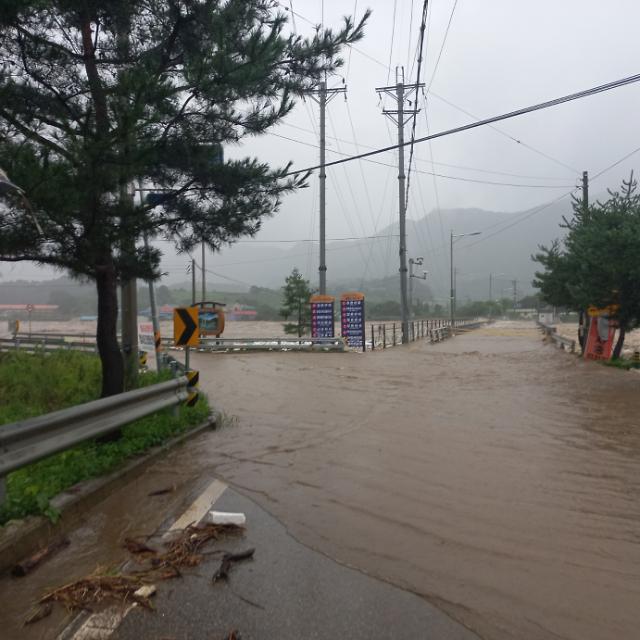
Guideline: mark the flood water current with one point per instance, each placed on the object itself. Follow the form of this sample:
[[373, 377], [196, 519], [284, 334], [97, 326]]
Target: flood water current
[[495, 476], [491, 473]]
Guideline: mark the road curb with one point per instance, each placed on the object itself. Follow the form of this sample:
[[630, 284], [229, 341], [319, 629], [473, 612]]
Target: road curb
[[21, 538]]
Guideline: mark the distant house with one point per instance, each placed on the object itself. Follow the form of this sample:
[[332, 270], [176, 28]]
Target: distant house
[[240, 312]]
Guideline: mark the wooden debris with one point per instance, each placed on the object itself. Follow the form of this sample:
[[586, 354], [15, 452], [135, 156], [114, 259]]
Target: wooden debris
[[106, 586], [39, 612], [137, 548], [225, 566], [27, 565], [162, 492]]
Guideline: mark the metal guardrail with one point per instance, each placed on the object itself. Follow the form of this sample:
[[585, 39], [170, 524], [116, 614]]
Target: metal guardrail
[[561, 341], [382, 336], [44, 344], [27, 441], [272, 344]]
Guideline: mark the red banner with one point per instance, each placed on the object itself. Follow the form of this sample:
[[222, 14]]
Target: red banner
[[600, 339]]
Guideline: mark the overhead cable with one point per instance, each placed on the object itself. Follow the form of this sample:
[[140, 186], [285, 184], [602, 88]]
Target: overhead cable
[[474, 125]]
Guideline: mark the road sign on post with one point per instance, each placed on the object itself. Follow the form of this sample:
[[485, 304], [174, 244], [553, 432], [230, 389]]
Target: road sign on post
[[352, 315], [322, 316], [185, 327]]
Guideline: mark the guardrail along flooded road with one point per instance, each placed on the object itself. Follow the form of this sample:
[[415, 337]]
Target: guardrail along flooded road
[[490, 473]]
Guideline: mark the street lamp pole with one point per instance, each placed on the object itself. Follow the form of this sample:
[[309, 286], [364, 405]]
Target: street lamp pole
[[452, 298], [419, 262]]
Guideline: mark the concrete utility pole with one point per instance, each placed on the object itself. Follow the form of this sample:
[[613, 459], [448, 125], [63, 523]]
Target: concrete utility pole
[[204, 278], [515, 294], [128, 292], [129, 303], [452, 297], [154, 310], [585, 190], [417, 261], [401, 92], [323, 96], [193, 281]]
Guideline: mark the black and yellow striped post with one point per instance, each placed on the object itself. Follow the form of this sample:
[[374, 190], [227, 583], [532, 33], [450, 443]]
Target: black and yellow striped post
[[636, 360], [142, 359], [192, 390]]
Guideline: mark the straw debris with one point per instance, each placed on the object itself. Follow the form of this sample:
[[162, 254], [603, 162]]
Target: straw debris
[[104, 586]]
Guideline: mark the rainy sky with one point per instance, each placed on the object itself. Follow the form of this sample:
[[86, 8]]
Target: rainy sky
[[482, 59]]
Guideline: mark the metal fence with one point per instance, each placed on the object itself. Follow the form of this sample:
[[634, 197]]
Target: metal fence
[[560, 341], [389, 334], [27, 441]]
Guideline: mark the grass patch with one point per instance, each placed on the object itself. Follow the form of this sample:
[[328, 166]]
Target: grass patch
[[33, 384], [620, 363]]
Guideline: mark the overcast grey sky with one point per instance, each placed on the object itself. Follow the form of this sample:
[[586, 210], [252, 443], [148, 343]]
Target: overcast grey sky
[[499, 55]]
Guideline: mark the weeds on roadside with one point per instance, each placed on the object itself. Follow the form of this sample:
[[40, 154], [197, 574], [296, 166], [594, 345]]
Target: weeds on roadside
[[33, 384]]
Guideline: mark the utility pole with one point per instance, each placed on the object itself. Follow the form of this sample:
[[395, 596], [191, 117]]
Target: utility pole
[[515, 294], [204, 278], [401, 92], [323, 97], [193, 281], [585, 191], [154, 313]]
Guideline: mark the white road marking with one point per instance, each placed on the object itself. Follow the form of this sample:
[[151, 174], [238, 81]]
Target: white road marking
[[200, 506], [100, 626]]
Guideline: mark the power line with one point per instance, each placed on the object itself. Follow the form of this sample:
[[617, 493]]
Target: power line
[[474, 125], [423, 24], [444, 40], [416, 159], [428, 173], [548, 204], [315, 240], [507, 135]]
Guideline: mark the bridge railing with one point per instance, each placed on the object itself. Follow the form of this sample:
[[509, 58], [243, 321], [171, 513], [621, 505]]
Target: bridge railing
[[551, 332], [389, 334]]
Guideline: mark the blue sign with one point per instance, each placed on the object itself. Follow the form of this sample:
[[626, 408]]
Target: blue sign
[[322, 317], [352, 313]]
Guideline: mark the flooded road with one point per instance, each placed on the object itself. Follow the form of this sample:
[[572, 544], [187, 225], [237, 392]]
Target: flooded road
[[494, 475]]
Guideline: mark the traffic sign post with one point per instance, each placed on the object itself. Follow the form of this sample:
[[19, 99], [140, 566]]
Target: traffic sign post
[[186, 330], [352, 319]]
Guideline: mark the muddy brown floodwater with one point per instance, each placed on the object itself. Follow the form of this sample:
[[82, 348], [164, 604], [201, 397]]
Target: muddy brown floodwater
[[493, 474]]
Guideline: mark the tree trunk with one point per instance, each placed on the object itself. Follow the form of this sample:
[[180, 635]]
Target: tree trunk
[[617, 350], [583, 330], [106, 336]]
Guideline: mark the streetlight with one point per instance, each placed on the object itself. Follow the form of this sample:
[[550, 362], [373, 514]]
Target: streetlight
[[412, 261], [452, 301]]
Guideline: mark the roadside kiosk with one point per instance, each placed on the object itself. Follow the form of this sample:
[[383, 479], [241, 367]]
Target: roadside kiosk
[[211, 317]]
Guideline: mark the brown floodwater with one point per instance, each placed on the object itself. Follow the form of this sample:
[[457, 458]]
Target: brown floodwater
[[492, 474]]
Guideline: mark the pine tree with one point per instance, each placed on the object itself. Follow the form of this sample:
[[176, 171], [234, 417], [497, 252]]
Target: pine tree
[[97, 96], [296, 294]]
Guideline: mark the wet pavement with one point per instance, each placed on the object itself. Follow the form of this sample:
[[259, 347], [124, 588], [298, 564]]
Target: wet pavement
[[491, 474]]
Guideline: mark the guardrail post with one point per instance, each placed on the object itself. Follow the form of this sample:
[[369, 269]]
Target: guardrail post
[[384, 336], [373, 339], [394, 334]]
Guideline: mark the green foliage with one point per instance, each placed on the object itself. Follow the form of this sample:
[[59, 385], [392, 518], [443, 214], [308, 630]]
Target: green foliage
[[295, 303], [598, 263], [31, 385], [97, 96]]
